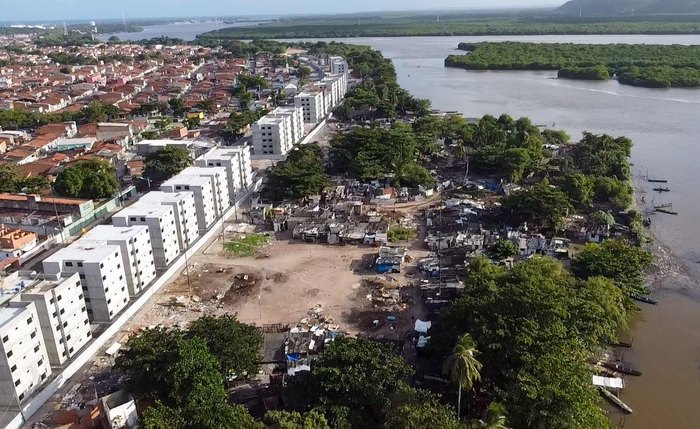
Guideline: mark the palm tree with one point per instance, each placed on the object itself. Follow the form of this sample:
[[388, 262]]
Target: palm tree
[[463, 367], [495, 418]]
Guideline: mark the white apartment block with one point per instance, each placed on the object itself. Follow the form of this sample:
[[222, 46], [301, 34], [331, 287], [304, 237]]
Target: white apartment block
[[272, 135], [335, 87], [236, 161], [184, 209], [203, 191], [219, 181], [338, 65], [296, 117], [102, 273], [160, 220], [62, 311], [312, 105], [24, 363], [137, 255]]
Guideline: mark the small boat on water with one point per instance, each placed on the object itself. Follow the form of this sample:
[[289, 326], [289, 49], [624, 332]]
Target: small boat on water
[[662, 189], [667, 211], [650, 180], [643, 299], [663, 206], [618, 367], [622, 344], [614, 399]]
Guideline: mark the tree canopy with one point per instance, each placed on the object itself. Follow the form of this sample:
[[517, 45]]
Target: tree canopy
[[536, 326], [541, 205], [88, 179], [166, 163], [301, 175]]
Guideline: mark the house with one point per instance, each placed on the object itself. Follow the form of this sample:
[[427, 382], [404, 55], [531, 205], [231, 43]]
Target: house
[[390, 259]]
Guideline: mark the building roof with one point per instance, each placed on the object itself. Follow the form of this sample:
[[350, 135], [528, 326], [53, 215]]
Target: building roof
[[7, 314], [144, 209], [109, 232], [83, 251], [158, 197]]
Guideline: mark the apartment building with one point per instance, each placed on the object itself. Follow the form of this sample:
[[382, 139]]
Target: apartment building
[[160, 220], [296, 118], [203, 191], [62, 313], [236, 161], [219, 181], [101, 270], [272, 135], [24, 363], [312, 104], [136, 251], [184, 210], [338, 65]]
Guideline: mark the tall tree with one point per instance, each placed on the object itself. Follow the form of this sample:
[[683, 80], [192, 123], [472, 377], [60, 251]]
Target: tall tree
[[164, 164], [463, 367]]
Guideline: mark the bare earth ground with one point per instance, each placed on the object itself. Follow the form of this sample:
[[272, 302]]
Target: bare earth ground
[[278, 286]]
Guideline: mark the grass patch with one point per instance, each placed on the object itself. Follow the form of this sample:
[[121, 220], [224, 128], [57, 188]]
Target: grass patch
[[400, 233], [247, 245]]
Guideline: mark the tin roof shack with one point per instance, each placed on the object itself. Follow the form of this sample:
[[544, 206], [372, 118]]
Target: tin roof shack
[[390, 259], [440, 294]]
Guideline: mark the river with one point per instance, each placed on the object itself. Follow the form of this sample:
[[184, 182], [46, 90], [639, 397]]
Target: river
[[179, 30], [665, 127]]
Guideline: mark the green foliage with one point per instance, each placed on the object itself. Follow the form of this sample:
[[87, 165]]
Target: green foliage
[[238, 121], [503, 249], [603, 155], [617, 260], [247, 245], [375, 153], [162, 417], [356, 376], [164, 164], [462, 367], [579, 188], [603, 218], [88, 179], [295, 420], [400, 233], [415, 409], [536, 326], [494, 418], [301, 175], [234, 344], [98, 112], [459, 25], [178, 106], [541, 205], [619, 194], [11, 181], [640, 65]]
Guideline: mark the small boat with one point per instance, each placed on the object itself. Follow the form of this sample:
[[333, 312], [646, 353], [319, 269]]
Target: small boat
[[614, 399], [662, 190], [650, 180], [668, 212], [617, 367], [663, 206], [643, 299], [622, 344]]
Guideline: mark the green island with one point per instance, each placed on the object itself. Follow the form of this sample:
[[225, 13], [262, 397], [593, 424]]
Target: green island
[[656, 66], [457, 25]]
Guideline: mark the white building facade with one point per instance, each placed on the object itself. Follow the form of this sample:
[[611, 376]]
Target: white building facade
[[160, 220], [236, 161], [100, 268], [312, 104], [184, 210], [24, 363], [203, 191], [62, 314], [136, 251], [219, 182]]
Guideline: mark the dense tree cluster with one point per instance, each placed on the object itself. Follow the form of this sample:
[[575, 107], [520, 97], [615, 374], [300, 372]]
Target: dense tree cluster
[[536, 327], [459, 25], [183, 373], [166, 163], [301, 175], [21, 119], [11, 181], [92, 179], [640, 65], [375, 153]]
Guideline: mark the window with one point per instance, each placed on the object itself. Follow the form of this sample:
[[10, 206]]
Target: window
[[77, 283], [106, 289], [116, 254], [124, 300], [51, 301], [102, 265], [119, 266], [29, 321], [109, 301], [110, 313], [40, 363], [13, 369], [43, 377], [9, 354], [65, 324], [21, 396], [60, 341], [70, 350], [104, 277], [80, 296], [89, 334], [54, 314], [36, 349], [122, 288], [32, 335], [58, 327], [87, 299], [121, 277], [68, 337], [87, 321], [82, 276], [82, 310], [80, 264], [58, 298], [17, 382], [69, 264], [133, 219]]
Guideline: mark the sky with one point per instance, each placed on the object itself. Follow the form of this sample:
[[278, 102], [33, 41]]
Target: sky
[[45, 10]]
